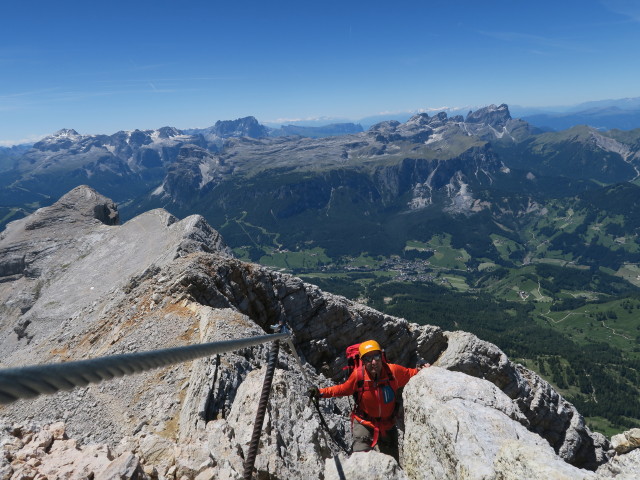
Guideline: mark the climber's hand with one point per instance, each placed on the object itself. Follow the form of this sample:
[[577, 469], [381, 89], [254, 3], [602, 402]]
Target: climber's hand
[[313, 393]]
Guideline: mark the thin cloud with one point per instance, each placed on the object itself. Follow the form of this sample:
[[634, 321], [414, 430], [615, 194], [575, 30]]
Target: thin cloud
[[161, 83], [28, 93], [525, 38], [136, 67], [18, 100], [628, 8], [22, 141], [300, 119]]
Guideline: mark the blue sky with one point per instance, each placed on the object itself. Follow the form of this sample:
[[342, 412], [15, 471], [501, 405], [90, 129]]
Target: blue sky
[[100, 67]]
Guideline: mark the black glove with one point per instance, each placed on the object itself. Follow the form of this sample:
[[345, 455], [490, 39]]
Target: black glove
[[313, 393]]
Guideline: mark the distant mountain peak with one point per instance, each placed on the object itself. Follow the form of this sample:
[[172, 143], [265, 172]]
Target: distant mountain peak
[[60, 139], [66, 132], [168, 132], [242, 127], [496, 116]]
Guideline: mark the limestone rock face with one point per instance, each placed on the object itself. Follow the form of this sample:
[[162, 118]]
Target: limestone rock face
[[29, 451], [63, 258], [621, 467], [627, 441], [363, 466], [458, 426], [545, 411]]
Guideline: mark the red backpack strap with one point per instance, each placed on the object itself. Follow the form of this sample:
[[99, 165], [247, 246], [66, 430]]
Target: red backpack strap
[[360, 380], [387, 368]]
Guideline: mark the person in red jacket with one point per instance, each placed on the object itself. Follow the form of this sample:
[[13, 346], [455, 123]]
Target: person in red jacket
[[375, 384]]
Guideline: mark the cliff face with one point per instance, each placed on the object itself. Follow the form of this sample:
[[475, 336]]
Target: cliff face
[[74, 284]]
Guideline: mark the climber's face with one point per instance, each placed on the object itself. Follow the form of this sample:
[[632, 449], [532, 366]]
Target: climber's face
[[373, 363]]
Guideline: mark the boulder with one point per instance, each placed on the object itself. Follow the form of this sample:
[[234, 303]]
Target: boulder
[[457, 426], [516, 460], [125, 467], [621, 467], [293, 443], [363, 466], [626, 441], [545, 412]]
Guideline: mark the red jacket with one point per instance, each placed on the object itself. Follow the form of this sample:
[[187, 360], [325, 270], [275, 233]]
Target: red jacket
[[377, 401]]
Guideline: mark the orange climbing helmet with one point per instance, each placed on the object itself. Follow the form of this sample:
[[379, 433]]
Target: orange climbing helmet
[[369, 346]]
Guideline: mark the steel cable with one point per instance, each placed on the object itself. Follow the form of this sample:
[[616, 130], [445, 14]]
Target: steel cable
[[262, 408], [29, 382]]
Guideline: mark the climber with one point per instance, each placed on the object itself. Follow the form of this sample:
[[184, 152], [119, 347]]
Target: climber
[[374, 384]]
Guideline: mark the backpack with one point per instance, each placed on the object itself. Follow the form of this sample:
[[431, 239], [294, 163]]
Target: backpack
[[354, 362]]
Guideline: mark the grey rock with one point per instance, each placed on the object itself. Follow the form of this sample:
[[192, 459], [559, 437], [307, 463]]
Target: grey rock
[[457, 426], [515, 461], [125, 467], [626, 441], [223, 129], [621, 467], [364, 466], [547, 413], [291, 429], [491, 115]]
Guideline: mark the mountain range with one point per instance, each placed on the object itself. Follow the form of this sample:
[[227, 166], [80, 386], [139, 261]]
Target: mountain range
[[374, 184], [609, 114], [378, 185]]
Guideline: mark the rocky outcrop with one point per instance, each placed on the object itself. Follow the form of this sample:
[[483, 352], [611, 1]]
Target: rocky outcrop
[[496, 117], [545, 411], [32, 246], [465, 427], [621, 467], [155, 282], [47, 452], [363, 466], [71, 255], [77, 206], [216, 135], [242, 127], [627, 441]]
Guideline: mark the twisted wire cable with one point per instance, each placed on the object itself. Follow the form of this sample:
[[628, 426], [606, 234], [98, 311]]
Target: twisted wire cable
[[32, 381], [262, 409]]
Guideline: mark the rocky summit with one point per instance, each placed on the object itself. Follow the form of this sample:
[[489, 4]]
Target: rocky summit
[[76, 284]]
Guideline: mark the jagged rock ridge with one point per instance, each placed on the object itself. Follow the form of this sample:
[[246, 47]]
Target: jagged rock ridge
[[131, 164], [92, 288]]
